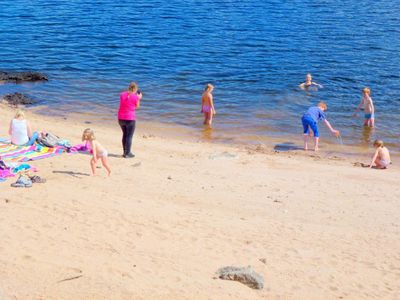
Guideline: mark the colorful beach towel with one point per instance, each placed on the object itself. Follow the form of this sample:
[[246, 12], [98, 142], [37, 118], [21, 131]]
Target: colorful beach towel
[[9, 152]]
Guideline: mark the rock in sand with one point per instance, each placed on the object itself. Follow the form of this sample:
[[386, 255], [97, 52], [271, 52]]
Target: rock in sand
[[246, 276], [17, 99]]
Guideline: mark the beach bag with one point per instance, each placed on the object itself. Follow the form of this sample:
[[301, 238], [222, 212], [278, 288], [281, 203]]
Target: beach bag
[[64, 143], [48, 139]]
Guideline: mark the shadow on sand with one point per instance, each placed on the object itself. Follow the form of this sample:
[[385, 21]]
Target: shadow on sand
[[287, 146], [71, 173]]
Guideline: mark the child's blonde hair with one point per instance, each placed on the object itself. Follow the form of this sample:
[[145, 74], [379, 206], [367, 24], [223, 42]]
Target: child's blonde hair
[[322, 105], [88, 135], [132, 87], [378, 143], [19, 113], [208, 87], [367, 90]]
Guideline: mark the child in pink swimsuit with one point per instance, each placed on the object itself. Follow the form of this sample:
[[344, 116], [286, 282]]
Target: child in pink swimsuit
[[97, 150], [207, 104]]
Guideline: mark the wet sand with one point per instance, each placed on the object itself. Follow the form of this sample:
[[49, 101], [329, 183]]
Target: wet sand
[[314, 225]]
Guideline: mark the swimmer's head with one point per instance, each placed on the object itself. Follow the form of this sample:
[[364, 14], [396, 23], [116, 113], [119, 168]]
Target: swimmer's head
[[308, 77], [209, 87], [378, 143], [322, 105], [366, 91]]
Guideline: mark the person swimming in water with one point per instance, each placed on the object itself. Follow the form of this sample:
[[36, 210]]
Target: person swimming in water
[[309, 83]]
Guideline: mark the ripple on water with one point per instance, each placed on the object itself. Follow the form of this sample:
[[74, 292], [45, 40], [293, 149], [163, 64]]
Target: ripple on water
[[254, 52]]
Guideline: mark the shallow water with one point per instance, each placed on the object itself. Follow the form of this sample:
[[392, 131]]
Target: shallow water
[[255, 53]]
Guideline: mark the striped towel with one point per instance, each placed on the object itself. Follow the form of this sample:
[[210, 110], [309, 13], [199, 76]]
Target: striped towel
[[9, 152]]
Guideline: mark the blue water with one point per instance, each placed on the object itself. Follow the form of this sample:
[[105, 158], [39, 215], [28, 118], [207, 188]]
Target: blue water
[[254, 52]]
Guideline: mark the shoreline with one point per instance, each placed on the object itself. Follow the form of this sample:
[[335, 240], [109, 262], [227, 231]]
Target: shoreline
[[329, 146], [314, 227]]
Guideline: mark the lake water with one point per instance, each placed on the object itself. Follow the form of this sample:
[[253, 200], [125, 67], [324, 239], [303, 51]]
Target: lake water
[[255, 53]]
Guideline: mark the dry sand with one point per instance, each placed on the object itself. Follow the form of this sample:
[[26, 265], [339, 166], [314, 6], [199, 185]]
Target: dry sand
[[165, 221]]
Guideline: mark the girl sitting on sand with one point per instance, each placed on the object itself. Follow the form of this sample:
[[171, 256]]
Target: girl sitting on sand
[[207, 104], [97, 150], [20, 130], [381, 157]]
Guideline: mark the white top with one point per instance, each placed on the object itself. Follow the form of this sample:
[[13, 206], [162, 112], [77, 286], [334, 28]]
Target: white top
[[19, 133]]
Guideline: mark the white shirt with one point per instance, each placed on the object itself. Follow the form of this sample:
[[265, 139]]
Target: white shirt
[[19, 133]]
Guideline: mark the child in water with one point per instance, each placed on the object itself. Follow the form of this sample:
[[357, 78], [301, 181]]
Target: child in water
[[310, 120], [369, 110], [381, 157], [97, 150], [207, 104]]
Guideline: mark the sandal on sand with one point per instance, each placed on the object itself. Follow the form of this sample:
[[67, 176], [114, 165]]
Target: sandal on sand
[[22, 181], [37, 179]]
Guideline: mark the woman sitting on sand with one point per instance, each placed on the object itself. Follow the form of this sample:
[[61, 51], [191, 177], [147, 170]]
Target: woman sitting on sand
[[20, 130], [129, 102]]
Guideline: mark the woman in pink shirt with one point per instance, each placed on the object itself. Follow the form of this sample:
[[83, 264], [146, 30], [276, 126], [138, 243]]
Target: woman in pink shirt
[[129, 102]]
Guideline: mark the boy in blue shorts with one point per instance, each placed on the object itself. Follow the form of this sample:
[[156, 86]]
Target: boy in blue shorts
[[369, 109], [310, 120]]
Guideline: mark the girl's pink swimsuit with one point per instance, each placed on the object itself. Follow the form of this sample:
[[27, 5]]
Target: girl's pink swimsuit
[[206, 108]]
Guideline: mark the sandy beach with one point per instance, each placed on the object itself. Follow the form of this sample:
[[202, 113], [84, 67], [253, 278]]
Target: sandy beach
[[314, 226]]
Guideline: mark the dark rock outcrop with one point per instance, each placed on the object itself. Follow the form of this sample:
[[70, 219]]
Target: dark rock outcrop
[[18, 99], [18, 77], [246, 276]]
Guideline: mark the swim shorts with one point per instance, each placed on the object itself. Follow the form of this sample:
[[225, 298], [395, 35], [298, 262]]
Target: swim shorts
[[369, 116], [308, 123]]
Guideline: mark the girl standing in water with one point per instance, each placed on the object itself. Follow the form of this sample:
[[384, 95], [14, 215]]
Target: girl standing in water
[[207, 104]]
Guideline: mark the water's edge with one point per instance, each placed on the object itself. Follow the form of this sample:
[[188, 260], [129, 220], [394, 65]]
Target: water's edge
[[329, 147]]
